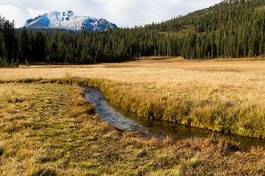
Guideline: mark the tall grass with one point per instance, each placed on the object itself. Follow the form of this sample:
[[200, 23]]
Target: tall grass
[[225, 96]]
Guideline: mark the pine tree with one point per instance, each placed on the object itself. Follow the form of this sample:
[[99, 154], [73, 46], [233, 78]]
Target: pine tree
[[24, 46], [10, 41], [39, 48]]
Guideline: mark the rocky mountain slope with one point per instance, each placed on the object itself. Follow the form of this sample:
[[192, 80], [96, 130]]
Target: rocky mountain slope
[[69, 21]]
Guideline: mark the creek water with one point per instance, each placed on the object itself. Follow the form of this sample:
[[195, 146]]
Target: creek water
[[128, 122]]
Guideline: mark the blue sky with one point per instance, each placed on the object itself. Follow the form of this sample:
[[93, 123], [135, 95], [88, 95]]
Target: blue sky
[[125, 13]]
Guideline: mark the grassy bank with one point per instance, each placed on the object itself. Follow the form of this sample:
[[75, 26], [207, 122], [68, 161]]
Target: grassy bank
[[49, 129]]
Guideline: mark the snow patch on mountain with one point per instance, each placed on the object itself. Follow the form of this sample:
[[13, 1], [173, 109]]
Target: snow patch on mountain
[[69, 21]]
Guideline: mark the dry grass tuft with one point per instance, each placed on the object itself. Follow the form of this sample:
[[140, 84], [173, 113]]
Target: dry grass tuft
[[43, 172]]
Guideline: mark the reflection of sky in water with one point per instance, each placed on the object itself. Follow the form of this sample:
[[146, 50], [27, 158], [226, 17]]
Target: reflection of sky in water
[[112, 116]]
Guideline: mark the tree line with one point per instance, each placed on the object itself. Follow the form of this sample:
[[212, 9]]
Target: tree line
[[224, 30]]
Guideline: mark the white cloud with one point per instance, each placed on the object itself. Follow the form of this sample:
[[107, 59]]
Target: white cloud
[[19, 15], [121, 12], [33, 12], [12, 13]]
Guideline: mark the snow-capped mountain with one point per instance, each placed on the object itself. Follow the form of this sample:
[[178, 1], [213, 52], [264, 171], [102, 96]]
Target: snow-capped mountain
[[69, 21]]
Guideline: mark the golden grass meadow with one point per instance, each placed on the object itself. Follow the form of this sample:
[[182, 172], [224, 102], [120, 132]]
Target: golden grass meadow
[[47, 128]]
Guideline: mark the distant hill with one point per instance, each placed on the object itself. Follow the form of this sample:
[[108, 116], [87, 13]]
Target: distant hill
[[69, 21]]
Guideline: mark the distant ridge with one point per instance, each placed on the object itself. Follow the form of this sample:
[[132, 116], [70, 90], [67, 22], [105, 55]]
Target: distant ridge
[[69, 21], [235, 1]]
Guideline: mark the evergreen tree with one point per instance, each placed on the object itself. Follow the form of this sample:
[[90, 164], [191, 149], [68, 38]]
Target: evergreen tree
[[24, 45], [39, 48], [10, 41]]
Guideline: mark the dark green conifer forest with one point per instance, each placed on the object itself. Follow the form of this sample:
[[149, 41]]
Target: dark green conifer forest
[[224, 30]]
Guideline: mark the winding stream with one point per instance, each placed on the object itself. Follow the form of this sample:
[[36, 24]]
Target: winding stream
[[127, 122]]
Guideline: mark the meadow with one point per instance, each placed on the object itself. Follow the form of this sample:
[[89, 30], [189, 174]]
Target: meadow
[[220, 95], [47, 128]]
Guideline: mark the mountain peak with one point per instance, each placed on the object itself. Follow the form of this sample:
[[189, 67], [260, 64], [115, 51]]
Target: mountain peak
[[70, 21]]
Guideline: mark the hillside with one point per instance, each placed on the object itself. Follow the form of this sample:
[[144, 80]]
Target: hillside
[[228, 29], [212, 18]]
